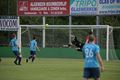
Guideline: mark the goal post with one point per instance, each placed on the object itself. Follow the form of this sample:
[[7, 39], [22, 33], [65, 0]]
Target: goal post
[[58, 35], [19, 35], [107, 44]]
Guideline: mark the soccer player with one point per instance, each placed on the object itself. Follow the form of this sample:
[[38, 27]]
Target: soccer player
[[15, 49], [76, 43], [33, 47], [93, 63], [87, 38]]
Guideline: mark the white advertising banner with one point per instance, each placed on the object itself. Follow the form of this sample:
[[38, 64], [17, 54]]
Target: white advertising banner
[[109, 7], [83, 7], [7, 24], [94, 7]]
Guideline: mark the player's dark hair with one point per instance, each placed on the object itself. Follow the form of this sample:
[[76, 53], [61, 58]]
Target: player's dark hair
[[90, 33], [13, 35], [34, 37], [91, 38]]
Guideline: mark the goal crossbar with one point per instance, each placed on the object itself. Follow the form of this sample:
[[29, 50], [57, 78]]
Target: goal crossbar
[[66, 26]]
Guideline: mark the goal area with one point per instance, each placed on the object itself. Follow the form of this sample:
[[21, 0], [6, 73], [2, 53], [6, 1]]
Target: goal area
[[55, 36]]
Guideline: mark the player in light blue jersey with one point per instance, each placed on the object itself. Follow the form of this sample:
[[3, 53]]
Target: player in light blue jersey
[[33, 48], [92, 60], [15, 49]]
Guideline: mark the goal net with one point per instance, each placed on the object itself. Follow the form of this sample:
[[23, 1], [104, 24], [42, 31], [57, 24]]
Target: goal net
[[56, 36]]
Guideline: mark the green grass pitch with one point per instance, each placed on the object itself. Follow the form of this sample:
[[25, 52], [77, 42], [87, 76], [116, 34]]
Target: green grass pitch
[[53, 69]]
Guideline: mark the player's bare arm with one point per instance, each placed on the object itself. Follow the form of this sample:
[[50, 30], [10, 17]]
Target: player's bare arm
[[100, 62], [38, 48]]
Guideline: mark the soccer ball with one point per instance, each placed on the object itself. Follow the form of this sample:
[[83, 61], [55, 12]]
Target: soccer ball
[[46, 25]]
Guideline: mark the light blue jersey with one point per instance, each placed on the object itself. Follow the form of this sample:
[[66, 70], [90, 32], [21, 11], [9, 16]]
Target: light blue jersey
[[13, 44], [89, 51], [33, 45]]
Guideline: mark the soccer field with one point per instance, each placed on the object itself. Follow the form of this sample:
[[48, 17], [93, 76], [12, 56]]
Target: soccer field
[[53, 69]]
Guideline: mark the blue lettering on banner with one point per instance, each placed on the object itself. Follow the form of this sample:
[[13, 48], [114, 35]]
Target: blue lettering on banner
[[109, 1], [85, 3], [111, 7], [83, 9], [8, 23], [110, 12]]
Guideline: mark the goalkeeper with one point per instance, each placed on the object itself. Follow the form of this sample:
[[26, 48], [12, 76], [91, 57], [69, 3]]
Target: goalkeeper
[[76, 43]]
